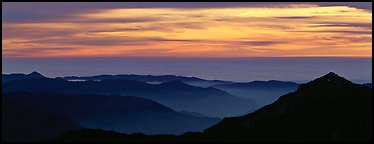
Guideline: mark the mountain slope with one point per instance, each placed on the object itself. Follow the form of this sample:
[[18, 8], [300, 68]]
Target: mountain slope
[[23, 123], [120, 113], [262, 92], [174, 94], [327, 108]]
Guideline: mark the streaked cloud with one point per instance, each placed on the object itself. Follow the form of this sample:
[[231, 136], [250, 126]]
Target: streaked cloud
[[190, 30], [340, 24], [261, 43], [296, 17], [360, 32]]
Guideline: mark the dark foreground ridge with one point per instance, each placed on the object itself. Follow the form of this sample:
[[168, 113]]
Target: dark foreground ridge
[[125, 114], [21, 123], [329, 108]]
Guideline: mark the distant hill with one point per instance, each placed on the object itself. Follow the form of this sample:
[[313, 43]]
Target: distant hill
[[151, 79], [19, 76], [120, 113], [21, 123], [329, 108], [174, 94], [144, 78], [262, 92]]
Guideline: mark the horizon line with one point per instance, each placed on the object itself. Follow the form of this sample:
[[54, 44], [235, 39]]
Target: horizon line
[[146, 57], [300, 81]]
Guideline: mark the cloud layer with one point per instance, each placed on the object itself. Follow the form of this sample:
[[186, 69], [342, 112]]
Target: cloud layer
[[186, 30]]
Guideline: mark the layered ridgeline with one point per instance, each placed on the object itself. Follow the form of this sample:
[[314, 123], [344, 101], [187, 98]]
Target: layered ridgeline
[[120, 113], [153, 79], [21, 123], [262, 92], [174, 94], [329, 108]]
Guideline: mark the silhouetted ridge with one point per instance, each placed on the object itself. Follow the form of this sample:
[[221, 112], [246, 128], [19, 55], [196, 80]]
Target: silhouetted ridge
[[331, 77], [20, 76], [329, 108], [35, 74], [326, 82]]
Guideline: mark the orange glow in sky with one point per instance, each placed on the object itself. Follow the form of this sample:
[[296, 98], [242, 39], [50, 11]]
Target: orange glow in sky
[[289, 31]]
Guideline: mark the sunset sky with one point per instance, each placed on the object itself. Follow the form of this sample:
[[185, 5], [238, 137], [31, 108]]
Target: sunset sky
[[35, 30]]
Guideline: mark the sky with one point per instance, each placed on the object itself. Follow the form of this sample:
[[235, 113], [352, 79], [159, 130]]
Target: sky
[[188, 29]]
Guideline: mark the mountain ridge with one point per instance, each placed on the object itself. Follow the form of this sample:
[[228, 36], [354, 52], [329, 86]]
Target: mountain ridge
[[295, 117], [177, 95], [316, 111], [121, 113]]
